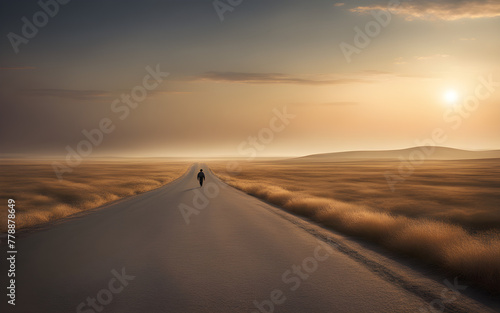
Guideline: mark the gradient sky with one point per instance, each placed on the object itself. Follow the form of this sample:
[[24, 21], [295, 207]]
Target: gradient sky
[[227, 77]]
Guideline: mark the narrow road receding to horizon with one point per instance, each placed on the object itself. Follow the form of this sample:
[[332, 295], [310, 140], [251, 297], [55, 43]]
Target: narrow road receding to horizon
[[235, 255]]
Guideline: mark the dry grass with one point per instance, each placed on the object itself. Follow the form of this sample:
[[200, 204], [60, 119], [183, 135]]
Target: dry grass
[[40, 197], [459, 192], [446, 214]]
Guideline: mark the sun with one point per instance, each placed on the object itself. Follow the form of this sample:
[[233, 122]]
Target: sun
[[450, 96]]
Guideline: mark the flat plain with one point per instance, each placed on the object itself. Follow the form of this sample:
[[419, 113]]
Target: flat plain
[[41, 197], [447, 213]]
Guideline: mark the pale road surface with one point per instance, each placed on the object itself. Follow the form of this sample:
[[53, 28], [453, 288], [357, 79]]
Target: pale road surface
[[139, 255]]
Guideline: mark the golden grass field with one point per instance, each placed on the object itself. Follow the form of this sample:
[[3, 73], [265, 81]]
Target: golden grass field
[[447, 213], [40, 197]]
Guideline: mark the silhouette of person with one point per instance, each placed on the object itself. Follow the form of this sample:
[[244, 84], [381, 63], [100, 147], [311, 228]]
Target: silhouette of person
[[201, 177]]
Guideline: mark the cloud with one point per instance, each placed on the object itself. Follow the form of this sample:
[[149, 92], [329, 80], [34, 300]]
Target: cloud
[[17, 68], [400, 61], [89, 95], [376, 73], [339, 4], [167, 92], [340, 103], [69, 94], [448, 10], [320, 104], [434, 56], [273, 78]]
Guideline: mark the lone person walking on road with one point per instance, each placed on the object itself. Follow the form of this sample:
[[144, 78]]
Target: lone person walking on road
[[201, 177]]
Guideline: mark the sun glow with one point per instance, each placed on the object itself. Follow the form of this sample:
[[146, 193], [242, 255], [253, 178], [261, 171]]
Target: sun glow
[[450, 96]]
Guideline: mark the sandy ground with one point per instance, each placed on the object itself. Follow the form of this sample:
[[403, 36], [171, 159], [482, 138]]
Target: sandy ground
[[236, 254]]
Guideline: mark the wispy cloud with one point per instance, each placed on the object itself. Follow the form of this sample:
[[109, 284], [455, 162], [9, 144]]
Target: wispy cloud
[[321, 104], [168, 92], [89, 95], [400, 61], [69, 94], [434, 56], [448, 10], [339, 4], [340, 103], [376, 73], [274, 78], [14, 68]]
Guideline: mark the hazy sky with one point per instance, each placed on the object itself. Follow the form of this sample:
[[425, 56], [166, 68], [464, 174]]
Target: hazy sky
[[356, 75]]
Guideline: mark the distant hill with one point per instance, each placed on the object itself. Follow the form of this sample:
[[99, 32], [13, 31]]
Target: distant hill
[[439, 153]]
